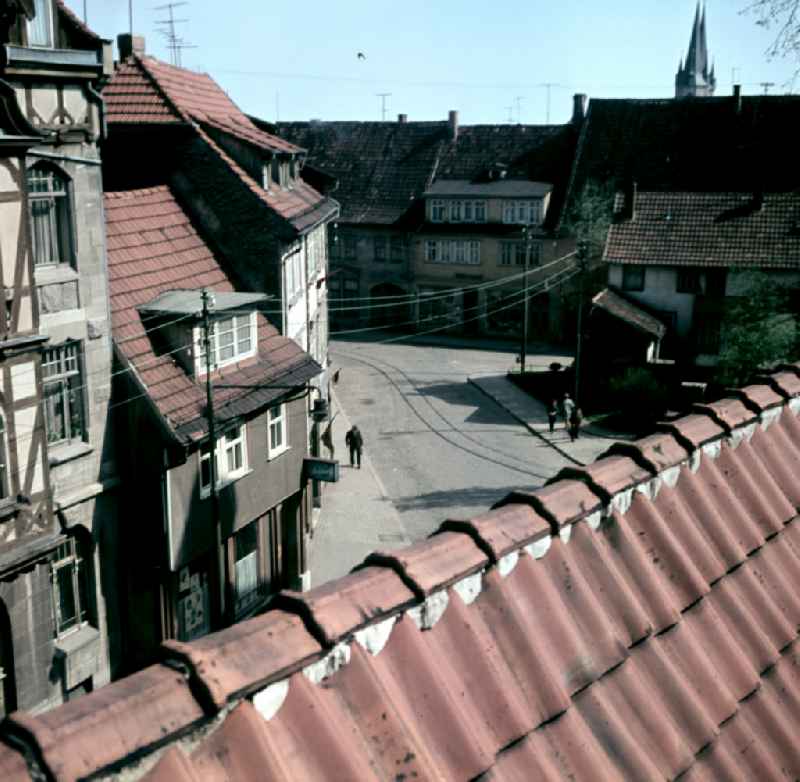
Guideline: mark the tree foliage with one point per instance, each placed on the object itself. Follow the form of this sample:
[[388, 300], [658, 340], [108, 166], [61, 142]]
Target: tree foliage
[[758, 331], [783, 18], [589, 218]]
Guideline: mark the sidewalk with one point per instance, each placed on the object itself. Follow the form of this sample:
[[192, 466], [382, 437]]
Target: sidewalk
[[357, 518], [532, 414]]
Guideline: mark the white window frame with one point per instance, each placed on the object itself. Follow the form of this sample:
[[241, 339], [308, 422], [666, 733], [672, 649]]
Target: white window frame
[[508, 212], [456, 211], [432, 251], [459, 252], [233, 439], [279, 423], [438, 210], [474, 252], [479, 210], [63, 387], [219, 342]]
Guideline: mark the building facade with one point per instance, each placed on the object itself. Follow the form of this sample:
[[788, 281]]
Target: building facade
[[61, 603], [207, 544]]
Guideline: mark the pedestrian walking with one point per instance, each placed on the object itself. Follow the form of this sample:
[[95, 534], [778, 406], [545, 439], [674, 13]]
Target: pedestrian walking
[[355, 442], [575, 421], [552, 414], [567, 406]]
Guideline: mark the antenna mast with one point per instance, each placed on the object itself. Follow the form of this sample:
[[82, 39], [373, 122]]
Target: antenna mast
[[175, 43], [383, 96]]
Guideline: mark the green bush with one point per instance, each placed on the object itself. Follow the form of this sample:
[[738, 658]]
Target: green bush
[[638, 394]]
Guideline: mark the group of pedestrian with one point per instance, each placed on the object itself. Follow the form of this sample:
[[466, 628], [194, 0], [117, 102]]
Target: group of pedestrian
[[353, 439], [570, 412]]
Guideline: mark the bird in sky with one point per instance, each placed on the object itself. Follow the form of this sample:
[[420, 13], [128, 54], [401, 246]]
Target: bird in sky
[[361, 56]]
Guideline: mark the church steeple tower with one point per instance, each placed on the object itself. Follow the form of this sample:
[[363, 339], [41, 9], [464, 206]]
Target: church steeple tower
[[694, 79]]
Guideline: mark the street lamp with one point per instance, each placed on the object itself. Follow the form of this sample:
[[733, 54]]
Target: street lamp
[[579, 344]]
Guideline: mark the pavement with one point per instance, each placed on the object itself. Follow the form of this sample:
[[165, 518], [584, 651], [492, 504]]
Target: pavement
[[358, 517], [532, 414]]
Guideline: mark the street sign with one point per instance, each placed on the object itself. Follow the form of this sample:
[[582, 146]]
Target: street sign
[[326, 470]]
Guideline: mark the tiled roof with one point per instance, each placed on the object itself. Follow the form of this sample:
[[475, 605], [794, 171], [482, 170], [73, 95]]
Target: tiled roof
[[145, 91], [617, 305], [701, 144], [709, 229], [634, 619], [154, 248], [382, 167]]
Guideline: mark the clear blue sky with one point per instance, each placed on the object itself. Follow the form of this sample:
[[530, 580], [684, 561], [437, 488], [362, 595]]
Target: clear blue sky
[[478, 57]]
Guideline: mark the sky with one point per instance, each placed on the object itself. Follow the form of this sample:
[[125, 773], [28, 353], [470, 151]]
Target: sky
[[488, 60]]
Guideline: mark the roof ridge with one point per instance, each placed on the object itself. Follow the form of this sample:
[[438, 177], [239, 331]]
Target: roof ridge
[[174, 105], [137, 191]]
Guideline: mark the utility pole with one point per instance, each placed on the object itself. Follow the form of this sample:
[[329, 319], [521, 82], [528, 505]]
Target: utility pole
[[518, 101], [548, 85], [582, 266], [221, 559], [130, 16], [383, 96], [523, 352]]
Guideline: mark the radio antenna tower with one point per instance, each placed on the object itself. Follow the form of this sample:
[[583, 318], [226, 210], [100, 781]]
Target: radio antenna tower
[[383, 96], [175, 43]]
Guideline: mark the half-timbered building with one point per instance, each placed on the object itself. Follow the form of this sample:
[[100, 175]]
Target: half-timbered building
[[56, 468]]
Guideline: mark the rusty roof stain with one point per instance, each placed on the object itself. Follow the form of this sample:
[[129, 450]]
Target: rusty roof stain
[[634, 620], [153, 247]]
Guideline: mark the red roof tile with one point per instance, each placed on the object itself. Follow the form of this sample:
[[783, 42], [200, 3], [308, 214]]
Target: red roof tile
[[153, 248], [146, 91], [616, 304], [651, 633], [709, 229]]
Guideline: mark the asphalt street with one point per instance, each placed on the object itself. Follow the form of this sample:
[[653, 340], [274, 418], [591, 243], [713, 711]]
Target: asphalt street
[[437, 446]]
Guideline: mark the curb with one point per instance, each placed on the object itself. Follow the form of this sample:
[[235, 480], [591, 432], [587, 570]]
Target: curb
[[525, 423]]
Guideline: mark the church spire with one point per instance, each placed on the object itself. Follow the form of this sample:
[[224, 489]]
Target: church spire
[[693, 77]]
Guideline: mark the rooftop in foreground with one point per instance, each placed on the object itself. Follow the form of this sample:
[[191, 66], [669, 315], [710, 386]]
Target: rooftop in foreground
[[634, 619]]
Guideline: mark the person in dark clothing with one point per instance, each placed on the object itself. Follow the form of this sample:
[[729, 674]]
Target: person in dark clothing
[[355, 442], [575, 421], [552, 414]]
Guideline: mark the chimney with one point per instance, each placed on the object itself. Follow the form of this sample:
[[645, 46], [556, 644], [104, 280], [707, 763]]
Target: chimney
[[737, 97], [402, 118], [579, 101], [452, 122], [130, 44]]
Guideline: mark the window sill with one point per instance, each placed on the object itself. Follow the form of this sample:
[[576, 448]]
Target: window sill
[[277, 453], [50, 275], [66, 452]]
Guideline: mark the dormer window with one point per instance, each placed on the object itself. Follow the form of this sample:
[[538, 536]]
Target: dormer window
[[232, 339], [40, 28]]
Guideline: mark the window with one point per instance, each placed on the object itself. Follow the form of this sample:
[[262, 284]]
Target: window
[[523, 212], [68, 578], [480, 211], [455, 211], [230, 461], [688, 281], [380, 248], [63, 393], [293, 270], [633, 278], [232, 339], [349, 246], [438, 211], [508, 212], [246, 578], [431, 251], [469, 211], [49, 213], [459, 252], [40, 28], [266, 176], [398, 252], [474, 253], [276, 434]]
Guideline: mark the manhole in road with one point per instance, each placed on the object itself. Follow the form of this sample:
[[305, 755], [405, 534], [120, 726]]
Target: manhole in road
[[367, 401]]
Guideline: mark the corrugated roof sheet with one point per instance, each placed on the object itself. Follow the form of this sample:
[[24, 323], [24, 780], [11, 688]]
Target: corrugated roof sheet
[[709, 229], [635, 619], [153, 248], [382, 167], [617, 305]]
